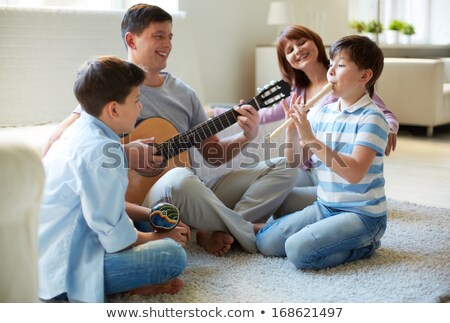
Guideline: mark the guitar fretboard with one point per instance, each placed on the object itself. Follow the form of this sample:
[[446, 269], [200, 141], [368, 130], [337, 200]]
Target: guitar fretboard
[[202, 131]]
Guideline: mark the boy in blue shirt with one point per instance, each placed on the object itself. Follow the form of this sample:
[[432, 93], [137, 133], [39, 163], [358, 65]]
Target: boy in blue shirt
[[88, 246], [346, 140]]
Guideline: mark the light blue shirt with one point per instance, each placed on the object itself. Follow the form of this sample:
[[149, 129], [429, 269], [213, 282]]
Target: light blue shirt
[[83, 211], [361, 124]]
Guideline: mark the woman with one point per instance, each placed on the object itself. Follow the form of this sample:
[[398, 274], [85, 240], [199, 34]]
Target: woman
[[303, 63]]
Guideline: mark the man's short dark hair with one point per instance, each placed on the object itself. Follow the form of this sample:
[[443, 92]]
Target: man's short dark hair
[[138, 17], [105, 79]]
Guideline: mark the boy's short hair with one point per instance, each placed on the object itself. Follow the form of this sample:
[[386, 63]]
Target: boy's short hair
[[138, 17], [105, 79], [364, 52]]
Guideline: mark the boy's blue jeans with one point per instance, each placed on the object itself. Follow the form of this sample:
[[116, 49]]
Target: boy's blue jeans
[[154, 262], [311, 241]]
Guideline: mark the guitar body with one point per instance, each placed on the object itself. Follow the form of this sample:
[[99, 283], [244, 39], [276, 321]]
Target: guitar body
[[139, 185]]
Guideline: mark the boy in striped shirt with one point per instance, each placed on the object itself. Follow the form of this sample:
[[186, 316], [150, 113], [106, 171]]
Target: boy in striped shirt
[[346, 142]]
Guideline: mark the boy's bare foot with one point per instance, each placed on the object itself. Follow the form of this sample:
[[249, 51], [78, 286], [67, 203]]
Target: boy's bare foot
[[216, 243], [171, 287], [258, 226]]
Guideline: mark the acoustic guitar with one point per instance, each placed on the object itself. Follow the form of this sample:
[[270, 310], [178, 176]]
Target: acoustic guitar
[[174, 146]]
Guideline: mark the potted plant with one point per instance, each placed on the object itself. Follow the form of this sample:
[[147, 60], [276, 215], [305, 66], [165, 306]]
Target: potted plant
[[394, 28], [406, 32], [357, 25], [374, 27]]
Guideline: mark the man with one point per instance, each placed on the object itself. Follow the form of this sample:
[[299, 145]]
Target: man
[[223, 209]]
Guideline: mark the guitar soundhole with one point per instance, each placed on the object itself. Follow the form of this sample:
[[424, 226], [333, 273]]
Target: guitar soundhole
[[154, 172]]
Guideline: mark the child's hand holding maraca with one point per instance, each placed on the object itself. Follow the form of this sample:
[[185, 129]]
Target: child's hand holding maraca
[[165, 219]]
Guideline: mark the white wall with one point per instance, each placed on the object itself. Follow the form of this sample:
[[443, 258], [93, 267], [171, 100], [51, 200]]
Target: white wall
[[329, 18], [226, 33], [40, 52]]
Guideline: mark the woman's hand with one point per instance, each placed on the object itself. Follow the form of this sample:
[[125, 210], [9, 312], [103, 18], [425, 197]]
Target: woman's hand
[[391, 144]]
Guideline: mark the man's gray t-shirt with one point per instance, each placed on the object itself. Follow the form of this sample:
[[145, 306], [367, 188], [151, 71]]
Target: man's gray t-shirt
[[174, 101]]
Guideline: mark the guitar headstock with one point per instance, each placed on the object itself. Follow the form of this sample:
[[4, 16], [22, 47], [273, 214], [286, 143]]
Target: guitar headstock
[[272, 93]]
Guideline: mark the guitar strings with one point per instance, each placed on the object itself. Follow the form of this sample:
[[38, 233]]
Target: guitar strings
[[184, 141]]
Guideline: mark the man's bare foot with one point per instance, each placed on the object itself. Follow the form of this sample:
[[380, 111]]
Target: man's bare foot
[[216, 243], [172, 287]]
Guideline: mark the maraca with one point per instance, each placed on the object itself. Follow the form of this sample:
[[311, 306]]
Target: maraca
[[164, 216]]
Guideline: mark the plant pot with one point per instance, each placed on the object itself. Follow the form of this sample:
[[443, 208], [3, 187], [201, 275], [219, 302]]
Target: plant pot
[[392, 36], [405, 39]]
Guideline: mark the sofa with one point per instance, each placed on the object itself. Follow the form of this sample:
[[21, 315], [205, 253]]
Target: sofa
[[417, 90], [22, 176]]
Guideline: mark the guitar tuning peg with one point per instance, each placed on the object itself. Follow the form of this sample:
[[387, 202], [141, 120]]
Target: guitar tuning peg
[[258, 90], [273, 82]]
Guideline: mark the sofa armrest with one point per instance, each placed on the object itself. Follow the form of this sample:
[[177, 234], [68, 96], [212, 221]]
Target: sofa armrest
[[22, 178], [413, 89]]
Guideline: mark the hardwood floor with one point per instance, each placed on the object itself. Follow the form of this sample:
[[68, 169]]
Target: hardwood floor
[[418, 170]]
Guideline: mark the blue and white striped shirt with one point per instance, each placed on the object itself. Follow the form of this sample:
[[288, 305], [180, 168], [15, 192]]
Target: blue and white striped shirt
[[360, 124]]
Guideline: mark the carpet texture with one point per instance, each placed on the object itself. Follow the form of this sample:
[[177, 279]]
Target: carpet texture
[[412, 265]]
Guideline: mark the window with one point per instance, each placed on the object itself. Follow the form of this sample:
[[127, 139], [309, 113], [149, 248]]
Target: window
[[168, 5], [416, 12]]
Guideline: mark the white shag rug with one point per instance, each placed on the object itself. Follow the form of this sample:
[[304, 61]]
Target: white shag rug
[[412, 266]]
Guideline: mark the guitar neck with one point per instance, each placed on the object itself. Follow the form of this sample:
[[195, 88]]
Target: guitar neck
[[196, 135]]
